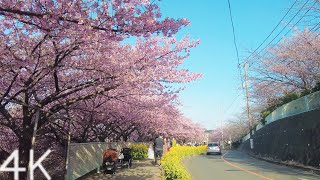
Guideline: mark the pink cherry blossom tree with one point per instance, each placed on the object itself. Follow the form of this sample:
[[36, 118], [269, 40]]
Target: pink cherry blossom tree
[[291, 66], [57, 55]]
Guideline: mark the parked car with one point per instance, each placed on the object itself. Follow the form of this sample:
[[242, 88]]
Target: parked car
[[213, 147]]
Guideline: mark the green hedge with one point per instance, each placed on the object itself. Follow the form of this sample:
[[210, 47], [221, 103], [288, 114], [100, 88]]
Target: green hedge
[[171, 161], [139, 151]]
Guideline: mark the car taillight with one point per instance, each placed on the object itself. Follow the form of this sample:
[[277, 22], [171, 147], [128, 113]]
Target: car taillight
[[219, 147]]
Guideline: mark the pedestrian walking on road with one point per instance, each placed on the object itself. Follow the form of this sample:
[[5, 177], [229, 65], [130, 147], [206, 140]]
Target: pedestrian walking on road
[[165, 146], [169, 145], [158, 148]]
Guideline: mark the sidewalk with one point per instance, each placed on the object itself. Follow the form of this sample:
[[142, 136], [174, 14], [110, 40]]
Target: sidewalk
[[144, 169]]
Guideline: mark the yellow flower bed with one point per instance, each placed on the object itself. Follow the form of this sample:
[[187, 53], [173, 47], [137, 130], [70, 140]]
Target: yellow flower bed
[[171, 161], [139, 151]]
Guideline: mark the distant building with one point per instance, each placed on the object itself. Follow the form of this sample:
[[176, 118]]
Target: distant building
[[207, 135]]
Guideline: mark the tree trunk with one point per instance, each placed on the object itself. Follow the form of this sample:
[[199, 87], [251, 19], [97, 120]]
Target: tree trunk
[[125, 138], [24, 148], [25, 140]]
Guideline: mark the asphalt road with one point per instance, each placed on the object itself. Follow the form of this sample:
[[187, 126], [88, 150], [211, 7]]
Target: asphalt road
[[235, 165]]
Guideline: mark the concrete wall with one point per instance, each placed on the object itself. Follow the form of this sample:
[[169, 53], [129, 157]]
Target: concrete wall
[[291, 132], [294, 138], [301, 105], [86, 157]]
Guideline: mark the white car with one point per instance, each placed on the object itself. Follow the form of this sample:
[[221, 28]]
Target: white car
[[213, 147]]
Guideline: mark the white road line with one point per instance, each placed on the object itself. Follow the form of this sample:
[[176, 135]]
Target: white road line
[[302, 178]]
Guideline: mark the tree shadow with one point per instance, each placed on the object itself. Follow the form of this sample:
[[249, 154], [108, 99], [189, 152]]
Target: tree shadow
[[253, 164], [145, 169]]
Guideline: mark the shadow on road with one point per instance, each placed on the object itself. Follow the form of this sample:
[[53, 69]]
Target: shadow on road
[[252, 164]]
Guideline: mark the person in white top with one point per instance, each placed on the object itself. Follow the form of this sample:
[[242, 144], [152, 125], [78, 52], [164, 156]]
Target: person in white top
[[150, 152]]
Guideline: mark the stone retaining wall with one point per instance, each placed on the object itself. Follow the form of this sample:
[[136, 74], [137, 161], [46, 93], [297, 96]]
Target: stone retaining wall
[[294, 138]]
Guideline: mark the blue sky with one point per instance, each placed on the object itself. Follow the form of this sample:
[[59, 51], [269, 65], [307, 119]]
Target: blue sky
[[207, 100]]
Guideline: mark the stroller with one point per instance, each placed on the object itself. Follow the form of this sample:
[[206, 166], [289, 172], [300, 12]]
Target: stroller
[[125, 157], [110, 158]]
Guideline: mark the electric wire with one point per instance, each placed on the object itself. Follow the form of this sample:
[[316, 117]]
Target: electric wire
[[273, 30], [314, 28], [235, 42], [286, 26], [291, 28]]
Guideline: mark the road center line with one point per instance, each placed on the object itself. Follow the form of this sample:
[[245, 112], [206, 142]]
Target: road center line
[[243, 169]]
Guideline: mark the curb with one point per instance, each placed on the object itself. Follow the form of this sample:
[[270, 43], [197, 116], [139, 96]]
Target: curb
[[310, 169]]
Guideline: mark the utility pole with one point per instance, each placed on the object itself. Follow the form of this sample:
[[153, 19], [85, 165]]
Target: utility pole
[[68, 145], [221, 128], [248, 106], [222, 135], [247, 95]]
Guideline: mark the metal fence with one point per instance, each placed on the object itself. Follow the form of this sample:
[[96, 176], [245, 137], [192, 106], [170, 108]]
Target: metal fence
[[87, 157]]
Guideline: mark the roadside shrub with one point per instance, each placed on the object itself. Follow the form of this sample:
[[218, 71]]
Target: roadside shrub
[[288, 97], [139, 151], [305, 92], [173, 142], [263, 116], [316, 88], [171, 161]]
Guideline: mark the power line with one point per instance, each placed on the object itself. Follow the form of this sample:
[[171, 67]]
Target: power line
[[233, 32], [315, 32], [234, 100], [273, 30], [292, 26], [315, 28], [235, 42], [286, 26], [282, 29]]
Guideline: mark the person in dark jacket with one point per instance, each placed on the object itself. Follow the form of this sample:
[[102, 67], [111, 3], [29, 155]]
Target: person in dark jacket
[[158, 148]]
